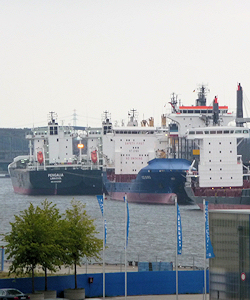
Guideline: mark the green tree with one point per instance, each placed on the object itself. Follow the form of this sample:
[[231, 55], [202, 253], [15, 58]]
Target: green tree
[[34, 240], [54, 250], [80, 234]]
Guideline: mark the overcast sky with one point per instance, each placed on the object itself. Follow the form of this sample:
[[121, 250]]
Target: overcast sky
[[115, 55]]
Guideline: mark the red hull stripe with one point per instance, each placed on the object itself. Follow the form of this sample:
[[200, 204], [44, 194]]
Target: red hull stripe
[[145, 198], [225, 206]]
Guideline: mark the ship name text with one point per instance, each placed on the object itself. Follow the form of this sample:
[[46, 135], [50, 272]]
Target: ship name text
[[55, 177]]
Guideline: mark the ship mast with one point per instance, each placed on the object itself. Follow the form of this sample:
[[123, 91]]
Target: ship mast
[[173, 102], [202, 92], [106, 122], [132, 116], [52, 118]]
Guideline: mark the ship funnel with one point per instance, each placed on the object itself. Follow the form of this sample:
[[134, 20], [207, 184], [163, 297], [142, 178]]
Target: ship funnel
[[151, 121], [163, 121], [239, 113], [215, 111]]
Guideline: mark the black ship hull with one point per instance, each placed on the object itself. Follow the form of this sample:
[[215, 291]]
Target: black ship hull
[[57, 181]]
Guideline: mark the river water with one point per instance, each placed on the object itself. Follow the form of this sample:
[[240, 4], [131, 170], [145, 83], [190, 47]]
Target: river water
[[151, 233]]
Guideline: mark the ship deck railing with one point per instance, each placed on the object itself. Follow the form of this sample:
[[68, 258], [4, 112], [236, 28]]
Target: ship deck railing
[[66, 166]]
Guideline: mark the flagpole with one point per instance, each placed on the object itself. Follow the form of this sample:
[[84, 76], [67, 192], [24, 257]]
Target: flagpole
[[100, 199], [205, 273], [103, 260], [125, 246], [176, 254]]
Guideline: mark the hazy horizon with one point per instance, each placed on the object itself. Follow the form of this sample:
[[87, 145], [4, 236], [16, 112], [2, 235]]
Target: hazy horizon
[[85, 57]]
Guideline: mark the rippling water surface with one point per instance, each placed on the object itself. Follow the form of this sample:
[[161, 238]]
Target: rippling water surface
[[151, 233]]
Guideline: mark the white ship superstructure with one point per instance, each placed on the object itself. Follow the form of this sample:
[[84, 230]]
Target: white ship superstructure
[[127, 149], [184, 117], [220, 179], [219, 164]]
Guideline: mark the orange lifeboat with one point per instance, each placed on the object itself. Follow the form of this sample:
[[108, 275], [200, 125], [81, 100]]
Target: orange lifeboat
[[40, 157], [94, 156]]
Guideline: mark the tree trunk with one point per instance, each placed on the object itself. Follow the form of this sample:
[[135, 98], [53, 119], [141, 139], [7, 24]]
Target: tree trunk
[[33, 280], [75, 277], [46, 279]]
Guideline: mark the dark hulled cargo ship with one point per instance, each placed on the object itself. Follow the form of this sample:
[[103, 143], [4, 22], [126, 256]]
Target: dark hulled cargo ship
[[56, 164]]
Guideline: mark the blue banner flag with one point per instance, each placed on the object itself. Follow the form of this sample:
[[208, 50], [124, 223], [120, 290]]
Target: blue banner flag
[[179, 231], [100, 201], [127, 221], [105, 232], [209, 247]]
